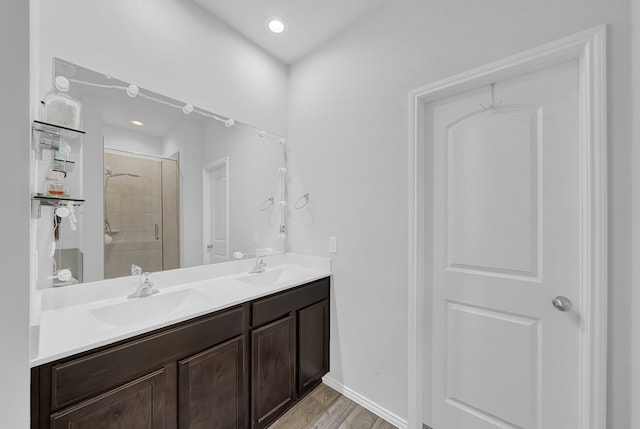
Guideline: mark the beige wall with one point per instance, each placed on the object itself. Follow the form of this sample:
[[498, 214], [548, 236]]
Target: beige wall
[[134, 207]]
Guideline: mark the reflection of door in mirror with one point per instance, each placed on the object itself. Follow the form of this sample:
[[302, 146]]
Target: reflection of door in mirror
[[140, 213], [215, 217]]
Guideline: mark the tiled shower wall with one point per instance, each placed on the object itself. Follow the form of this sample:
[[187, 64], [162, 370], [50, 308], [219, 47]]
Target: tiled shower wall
[[134, 207]]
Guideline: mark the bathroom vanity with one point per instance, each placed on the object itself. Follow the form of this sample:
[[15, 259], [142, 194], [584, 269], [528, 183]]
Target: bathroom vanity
[[239, 366], [215, 343]]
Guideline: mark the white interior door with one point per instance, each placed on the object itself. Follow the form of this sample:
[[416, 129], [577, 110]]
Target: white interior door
[[506, 194], [216, 212]]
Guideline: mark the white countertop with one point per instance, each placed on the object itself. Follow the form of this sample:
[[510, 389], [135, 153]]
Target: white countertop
[[75, 319]]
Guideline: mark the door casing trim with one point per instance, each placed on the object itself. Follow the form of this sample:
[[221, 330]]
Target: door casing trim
[[589, 49]]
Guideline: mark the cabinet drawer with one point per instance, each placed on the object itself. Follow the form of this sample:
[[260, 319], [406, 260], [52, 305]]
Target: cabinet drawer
[[273, 307], [84, 377], [138, 404]]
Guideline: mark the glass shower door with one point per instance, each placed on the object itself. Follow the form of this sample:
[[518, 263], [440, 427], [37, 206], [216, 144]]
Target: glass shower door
[[133, 209]]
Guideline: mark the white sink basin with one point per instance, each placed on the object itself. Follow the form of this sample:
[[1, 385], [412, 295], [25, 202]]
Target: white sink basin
[[276, 275], [264, 279], [138, 309]]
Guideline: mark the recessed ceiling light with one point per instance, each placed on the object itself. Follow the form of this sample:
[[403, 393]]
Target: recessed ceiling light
[[276, 25], [137, 123]]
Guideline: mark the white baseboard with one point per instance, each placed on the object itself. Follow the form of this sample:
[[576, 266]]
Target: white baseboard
[[366, 403]]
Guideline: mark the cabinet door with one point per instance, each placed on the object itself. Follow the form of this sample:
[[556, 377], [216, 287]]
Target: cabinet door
[[313, 345], [139, 404], [211, 390], [272, 370]]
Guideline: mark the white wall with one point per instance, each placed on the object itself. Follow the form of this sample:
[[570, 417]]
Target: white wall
[[123, 139], [14, 305], [348, 131], [172, 48], [253, 177], [635, 254], [92, 190]]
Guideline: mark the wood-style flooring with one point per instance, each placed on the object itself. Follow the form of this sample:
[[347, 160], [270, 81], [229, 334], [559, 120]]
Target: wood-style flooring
[[324, 408]]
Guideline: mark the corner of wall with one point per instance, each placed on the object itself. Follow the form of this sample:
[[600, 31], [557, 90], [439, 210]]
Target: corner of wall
[[361, 400], [635, 218], [14, 306]]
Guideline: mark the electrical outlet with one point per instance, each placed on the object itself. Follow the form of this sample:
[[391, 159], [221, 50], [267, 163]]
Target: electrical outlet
[[333, 245]]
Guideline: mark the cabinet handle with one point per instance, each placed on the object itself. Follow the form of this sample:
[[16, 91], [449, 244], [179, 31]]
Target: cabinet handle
[[157, 231]]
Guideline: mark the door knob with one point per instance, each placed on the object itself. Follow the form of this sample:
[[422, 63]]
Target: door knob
[[561, 303], [209, 246]]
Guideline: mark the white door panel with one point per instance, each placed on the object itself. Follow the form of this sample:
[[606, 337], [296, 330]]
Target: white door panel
[[474, 334], [492, 192], [216, 212], [219, 209], [506, 242]]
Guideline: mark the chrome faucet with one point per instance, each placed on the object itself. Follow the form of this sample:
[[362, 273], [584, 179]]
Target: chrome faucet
[[260, 266], [136, 270], [145, 288]]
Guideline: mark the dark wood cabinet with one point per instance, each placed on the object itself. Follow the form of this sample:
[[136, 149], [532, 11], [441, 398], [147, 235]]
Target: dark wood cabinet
[[139, 404], [135, 383], [240, 368], [273, 372], [83, 376], [211, 388], [290, 349], [313, 345]]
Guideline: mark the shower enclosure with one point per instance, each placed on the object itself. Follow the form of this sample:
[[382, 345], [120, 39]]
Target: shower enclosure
[[141, 205]]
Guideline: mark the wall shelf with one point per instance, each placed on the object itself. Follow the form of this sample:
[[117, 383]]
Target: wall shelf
[[38, 201], [50, 136], [54, 201], [57, 129]]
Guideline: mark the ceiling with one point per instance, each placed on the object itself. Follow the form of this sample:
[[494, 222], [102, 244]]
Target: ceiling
[[310, 22], [159, 120]]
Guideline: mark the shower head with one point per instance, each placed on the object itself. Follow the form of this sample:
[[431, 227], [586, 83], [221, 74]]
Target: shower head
[[123, 174], [109, 173]]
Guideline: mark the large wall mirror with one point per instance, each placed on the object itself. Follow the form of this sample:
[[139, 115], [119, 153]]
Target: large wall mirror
[[180, 186]]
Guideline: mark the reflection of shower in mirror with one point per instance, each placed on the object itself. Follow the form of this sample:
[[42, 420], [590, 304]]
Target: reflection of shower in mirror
[[179, 213], [140, 211], [109, 174]]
